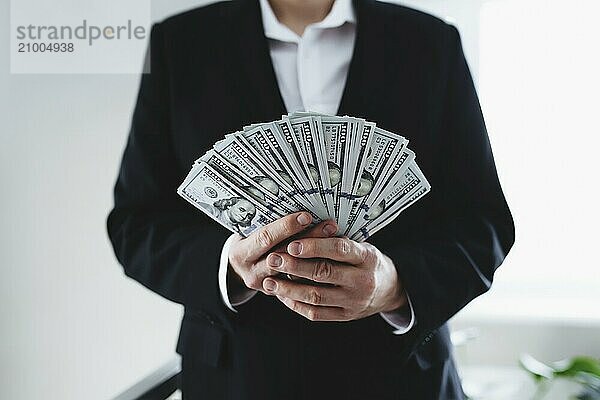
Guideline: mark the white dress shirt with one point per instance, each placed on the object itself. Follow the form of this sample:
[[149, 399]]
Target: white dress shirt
[[311, 72]]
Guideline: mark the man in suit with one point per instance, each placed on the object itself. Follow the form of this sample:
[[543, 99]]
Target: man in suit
[[378, 331]]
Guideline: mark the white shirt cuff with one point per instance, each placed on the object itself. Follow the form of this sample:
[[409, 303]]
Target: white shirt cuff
[[235, 299], [402, 321]]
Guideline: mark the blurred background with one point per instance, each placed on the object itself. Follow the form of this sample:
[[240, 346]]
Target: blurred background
[[73, 327]]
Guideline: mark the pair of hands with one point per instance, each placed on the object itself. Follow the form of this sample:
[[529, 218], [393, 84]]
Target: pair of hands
[[354, 280]]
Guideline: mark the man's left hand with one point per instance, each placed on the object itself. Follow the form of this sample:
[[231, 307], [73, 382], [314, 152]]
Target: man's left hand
[[359, 280]]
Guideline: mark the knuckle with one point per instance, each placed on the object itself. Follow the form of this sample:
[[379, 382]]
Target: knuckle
[[342, 246], [265, 238], [314, 297], [322, 271], [364, 253], [370, 255], [287, 225]]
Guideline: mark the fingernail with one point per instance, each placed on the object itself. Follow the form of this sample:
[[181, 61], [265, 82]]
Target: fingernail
[[270, 285], [275, 260], [329, 230], [304, 219], [295, 248]]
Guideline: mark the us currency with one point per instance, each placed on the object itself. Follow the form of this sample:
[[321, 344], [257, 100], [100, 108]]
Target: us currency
[[384, 148], [261, 188], [290, 145], [282, 133], [367, 232], [355, 125], [341, 136], [411, 187], [308, 131], [270, 149], [282, 144], [210, 192], [335, 135], [399, 153], [395, 174], [241, 155], [342, 168], [359, 182], [250, 164], [392, 177]]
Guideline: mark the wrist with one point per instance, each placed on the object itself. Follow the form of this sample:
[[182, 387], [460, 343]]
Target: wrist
[[396, 302], [397, 297]]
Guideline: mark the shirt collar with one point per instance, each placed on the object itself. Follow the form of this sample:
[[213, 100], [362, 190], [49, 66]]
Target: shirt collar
[[341, 12]]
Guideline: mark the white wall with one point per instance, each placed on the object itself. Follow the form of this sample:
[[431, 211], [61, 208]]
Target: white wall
[[72, 326]]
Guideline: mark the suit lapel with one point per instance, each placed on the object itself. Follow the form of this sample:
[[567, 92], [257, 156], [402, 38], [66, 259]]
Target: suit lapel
[[365, 78], [259, 83]]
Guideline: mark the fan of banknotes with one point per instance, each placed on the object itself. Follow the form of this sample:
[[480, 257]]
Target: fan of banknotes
[[341, 168]]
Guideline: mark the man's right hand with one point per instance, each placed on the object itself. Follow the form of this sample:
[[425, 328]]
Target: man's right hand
[[247, 256]]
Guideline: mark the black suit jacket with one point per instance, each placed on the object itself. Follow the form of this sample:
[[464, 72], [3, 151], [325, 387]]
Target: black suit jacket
[[211, 74]]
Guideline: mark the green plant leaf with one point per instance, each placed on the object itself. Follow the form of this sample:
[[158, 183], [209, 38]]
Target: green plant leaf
[[582, 370], [573, 366]]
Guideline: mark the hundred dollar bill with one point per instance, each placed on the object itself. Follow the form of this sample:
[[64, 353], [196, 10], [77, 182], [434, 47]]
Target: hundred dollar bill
[[254, 140], [284, 135], [355, 130], [250, 164], [274, 146], [396, 173], [390, 204], [260, 177], [343, 168], [359, 182], [366, 232], [400, 145], [218, 198], [358, 135], [292, 147], [335, 134], [309, 136], [388, 182], [262, 188], [384, 148]]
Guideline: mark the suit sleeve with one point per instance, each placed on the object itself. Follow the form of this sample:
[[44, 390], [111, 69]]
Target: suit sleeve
[[452, 257], [159, 239]]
